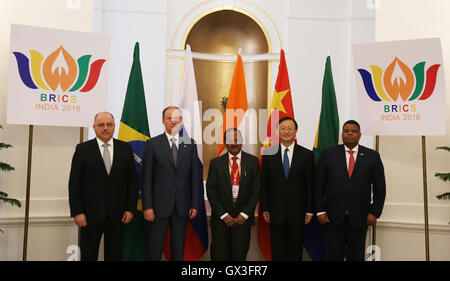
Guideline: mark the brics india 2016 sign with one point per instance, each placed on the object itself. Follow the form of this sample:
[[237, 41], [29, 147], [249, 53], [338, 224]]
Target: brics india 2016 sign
[[400, 87], [56, 77]]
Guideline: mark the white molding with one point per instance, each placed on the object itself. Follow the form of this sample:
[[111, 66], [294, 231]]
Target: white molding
[[330, 18], [203, 8], [41, 221], [174, 53], [413, 227]]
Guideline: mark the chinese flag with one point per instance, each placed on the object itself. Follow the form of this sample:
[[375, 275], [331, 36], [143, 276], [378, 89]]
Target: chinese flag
[[280, 107]]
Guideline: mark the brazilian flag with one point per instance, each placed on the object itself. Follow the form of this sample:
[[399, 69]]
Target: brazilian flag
[[327, 135], [328, 130], [134, 129]]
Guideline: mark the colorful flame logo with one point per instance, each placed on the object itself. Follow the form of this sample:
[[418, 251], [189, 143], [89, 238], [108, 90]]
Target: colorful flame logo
[[399, 80], [43, 75]]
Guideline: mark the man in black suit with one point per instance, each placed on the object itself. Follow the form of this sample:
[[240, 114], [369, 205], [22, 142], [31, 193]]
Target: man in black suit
[[287, 181], [233, 188], [102, 190], [350, 193], [170, 186]]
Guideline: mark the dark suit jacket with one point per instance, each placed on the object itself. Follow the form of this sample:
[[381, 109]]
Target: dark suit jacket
[[166, 184], [95, 193], [218, 187], [287, 198], [336, 192]]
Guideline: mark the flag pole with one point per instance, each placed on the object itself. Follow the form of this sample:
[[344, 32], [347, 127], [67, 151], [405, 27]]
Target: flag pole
[[27, 200], [374, 227], [81, 140], [425, 200]]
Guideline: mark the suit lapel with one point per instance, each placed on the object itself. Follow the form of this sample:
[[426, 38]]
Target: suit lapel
[[181, 152], [343, 156], [226, 169], [279, 160], [115, 157], [359, 159], [295, 155], [96, 149], [166, 148], [242, 173]]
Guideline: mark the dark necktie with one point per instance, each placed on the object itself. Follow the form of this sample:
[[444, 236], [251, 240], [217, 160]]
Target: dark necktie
[[235, 178], [351, 163], [286, 163], [174, 149]]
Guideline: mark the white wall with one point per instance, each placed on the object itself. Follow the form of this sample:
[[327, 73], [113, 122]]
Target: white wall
[[402, 156]]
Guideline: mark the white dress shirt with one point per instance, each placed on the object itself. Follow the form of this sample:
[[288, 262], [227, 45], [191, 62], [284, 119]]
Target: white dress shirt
[[347, 159], [347, 154], [169, 138], [238, 161], [290, 152], [110, 148]]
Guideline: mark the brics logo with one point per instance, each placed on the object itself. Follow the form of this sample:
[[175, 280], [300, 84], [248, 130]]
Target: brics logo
[[40, 73], [399, 87], [398, 80]]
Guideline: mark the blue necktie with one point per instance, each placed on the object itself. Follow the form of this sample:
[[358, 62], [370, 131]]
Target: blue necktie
[[286, 163]]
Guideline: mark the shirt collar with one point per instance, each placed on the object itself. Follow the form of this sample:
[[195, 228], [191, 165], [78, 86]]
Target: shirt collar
[[100, 142], [355, 149], [230, 156], [291, 147], [169, 136]]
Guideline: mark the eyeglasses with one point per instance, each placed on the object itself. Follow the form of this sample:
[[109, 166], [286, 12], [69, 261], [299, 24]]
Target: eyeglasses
[[173, 118], [289, 129], [104, 124]]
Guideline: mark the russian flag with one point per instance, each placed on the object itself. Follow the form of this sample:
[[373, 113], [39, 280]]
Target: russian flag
[[197, 228]]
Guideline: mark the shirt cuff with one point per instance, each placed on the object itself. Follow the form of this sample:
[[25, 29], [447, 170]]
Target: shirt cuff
[[223, 216], [244, 215], [321, 213]]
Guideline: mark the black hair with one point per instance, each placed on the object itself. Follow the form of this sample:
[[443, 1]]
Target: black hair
[[288, 118], [351, 122]]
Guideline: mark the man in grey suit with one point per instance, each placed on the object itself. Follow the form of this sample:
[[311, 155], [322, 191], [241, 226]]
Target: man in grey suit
[[170, 189]]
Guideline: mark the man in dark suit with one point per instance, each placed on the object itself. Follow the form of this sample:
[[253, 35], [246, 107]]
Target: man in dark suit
[[170, 186], [287, 181], [102, 190], [350, 193], [233, 188]]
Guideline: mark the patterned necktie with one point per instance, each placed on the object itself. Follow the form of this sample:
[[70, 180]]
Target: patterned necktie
[[174, 149], [351, 163], [235, 178], [106, 157], [286, 163]]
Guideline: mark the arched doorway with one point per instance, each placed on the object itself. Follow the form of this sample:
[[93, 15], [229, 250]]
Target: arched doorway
[[224, 32]]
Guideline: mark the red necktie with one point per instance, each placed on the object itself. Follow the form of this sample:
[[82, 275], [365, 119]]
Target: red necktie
[[351, 163], [234, 172]]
